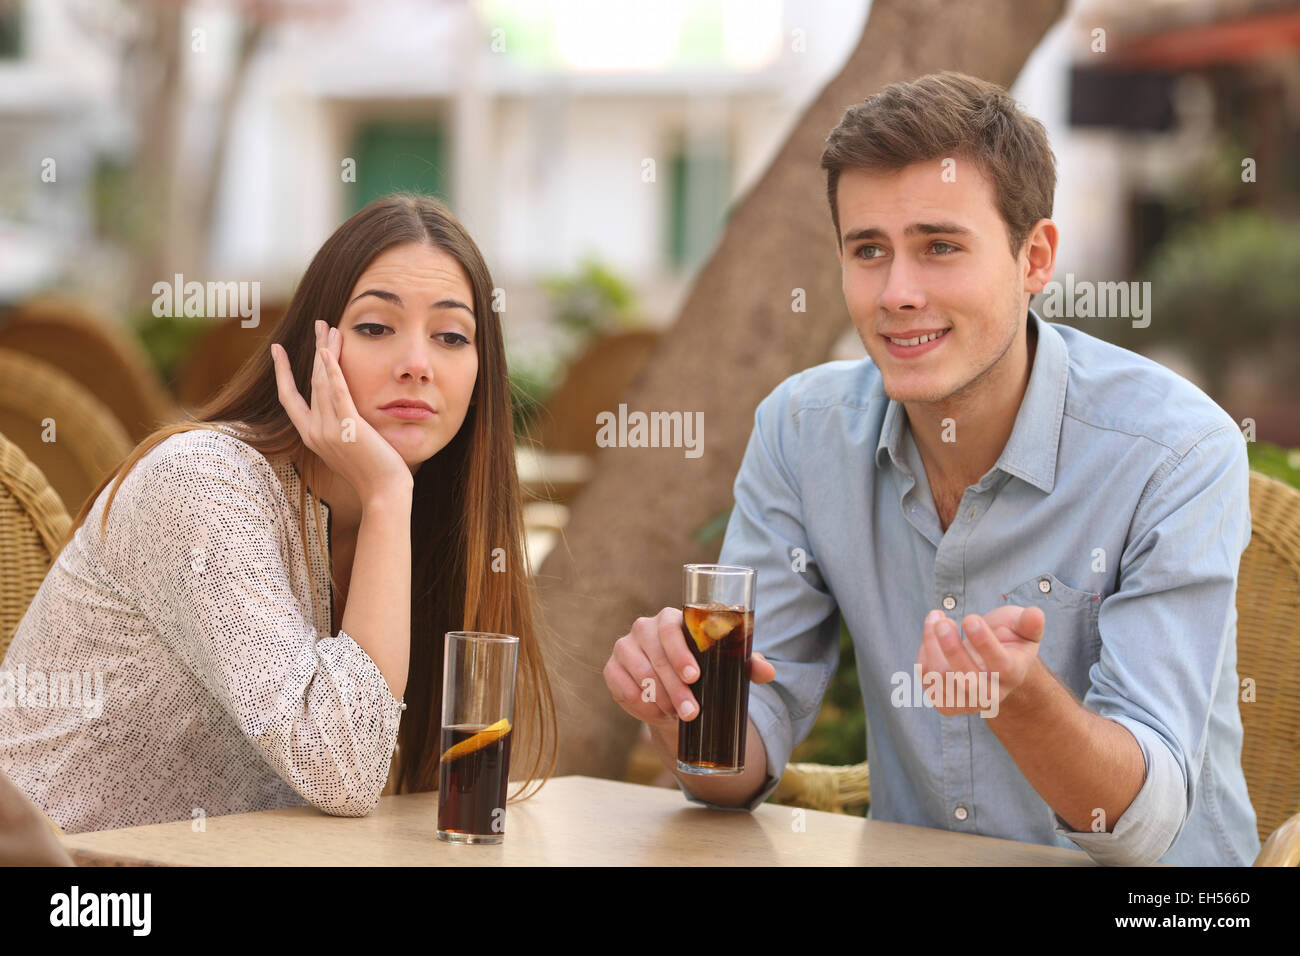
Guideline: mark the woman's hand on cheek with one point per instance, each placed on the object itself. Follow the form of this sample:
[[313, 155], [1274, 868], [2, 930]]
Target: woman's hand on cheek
[[331, 426]]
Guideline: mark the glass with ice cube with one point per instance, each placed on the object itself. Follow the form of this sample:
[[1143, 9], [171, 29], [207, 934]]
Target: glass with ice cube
[[718, 622]]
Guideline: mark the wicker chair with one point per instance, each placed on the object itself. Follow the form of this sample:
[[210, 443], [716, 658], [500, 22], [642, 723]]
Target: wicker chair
[[1268, 653], [89, 441], [593, 383], [1268, 606], [219, 352], [96, 353], [32, 523]]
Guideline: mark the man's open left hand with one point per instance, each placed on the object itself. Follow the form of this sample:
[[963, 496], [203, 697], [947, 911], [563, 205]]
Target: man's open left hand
[[1002, 644]]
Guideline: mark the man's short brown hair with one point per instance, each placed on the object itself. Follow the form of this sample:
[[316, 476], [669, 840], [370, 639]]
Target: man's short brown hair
[[943, 115]]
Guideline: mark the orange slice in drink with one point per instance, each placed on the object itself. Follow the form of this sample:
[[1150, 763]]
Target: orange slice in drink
[[707, 627], [480, 740], [693, 618]]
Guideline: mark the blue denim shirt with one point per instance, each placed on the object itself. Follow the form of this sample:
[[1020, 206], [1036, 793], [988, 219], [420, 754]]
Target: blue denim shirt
[[1119, 505]]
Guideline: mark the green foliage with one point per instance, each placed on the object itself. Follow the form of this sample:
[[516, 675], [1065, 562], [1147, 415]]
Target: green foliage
[[166, 339], [1226, 287], [1275, 461], [1211, 184], [591, 301], [529, 387], [585, 304]]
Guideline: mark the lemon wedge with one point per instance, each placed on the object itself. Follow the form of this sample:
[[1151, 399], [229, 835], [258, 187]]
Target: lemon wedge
[[480, 740]]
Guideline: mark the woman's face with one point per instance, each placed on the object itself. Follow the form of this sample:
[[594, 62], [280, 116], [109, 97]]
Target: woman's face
[[408, 332]]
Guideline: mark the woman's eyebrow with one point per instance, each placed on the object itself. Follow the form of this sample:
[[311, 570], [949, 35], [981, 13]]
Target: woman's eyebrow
[[394, 298]]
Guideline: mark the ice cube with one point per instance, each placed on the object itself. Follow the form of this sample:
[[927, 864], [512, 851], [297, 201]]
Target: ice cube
[[719, 624]]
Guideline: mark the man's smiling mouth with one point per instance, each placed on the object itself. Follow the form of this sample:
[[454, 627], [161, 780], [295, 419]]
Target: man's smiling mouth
[[919, 340]]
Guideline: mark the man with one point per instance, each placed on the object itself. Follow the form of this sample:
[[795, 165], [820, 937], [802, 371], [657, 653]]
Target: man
[[1078, 510], [26, 836]]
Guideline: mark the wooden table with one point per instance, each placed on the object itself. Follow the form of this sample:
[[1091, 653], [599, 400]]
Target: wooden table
[[572, 821]]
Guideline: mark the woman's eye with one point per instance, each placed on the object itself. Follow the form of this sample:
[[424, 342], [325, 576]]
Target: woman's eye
[[454, 339]]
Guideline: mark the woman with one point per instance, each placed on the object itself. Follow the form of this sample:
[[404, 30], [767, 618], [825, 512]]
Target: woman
[[244, 669]]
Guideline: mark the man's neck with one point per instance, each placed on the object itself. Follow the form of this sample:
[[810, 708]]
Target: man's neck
[[961, 438]]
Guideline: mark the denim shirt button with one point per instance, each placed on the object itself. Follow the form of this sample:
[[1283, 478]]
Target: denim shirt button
[[960, 813], [949, 602], [1045, 585]]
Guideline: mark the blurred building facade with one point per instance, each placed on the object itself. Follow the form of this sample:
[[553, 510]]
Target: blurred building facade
[[563, 130]]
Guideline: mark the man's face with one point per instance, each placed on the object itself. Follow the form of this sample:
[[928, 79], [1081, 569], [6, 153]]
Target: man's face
[[921, 255], [408, 332]]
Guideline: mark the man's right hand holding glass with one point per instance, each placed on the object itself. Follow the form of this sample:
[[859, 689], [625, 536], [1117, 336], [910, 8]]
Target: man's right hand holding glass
[[648, 675]]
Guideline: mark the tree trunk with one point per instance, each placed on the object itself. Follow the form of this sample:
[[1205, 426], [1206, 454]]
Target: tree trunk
[[154, 60], [735, 339]]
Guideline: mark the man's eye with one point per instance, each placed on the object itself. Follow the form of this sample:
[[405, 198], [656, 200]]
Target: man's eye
[[862, 249], [950, 246]]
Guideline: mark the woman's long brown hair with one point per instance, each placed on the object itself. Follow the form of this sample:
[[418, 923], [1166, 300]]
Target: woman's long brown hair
[[466, 501]]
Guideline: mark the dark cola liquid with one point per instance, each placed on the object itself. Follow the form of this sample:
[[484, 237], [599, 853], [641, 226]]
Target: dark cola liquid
[[473, 785], [715, 740]]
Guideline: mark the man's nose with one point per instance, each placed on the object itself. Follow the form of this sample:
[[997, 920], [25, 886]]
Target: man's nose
[[902, 287]]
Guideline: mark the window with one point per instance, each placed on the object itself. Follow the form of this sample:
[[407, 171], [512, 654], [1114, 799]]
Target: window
[[11, 29], [698, 195]]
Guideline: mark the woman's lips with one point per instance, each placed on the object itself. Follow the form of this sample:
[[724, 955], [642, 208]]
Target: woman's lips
[[408, 412]]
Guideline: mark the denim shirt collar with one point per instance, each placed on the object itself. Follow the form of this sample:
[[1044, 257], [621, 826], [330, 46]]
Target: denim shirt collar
[[1031, 451]]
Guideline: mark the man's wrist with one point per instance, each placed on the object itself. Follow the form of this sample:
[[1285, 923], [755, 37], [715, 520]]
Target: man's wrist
[[1028, 697]]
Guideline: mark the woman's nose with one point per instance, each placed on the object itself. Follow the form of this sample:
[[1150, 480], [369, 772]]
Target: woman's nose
[[415, 362]]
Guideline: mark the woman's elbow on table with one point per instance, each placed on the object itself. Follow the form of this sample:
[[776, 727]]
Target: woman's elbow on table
[[343, 785], [349, 805]]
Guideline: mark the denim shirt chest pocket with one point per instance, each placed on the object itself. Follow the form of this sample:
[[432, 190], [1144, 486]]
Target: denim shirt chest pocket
[[1071, 641]]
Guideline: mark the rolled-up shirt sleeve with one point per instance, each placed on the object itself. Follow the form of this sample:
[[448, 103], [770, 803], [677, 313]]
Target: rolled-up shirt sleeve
[[1165, 633], [796, 620], [213, 579]]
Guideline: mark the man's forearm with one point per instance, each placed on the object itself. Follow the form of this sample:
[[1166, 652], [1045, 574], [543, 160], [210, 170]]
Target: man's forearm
[[728, 790], [1078, 761]]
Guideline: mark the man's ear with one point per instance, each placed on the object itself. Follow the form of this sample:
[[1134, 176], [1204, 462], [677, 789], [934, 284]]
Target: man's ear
[[1040, 253]]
